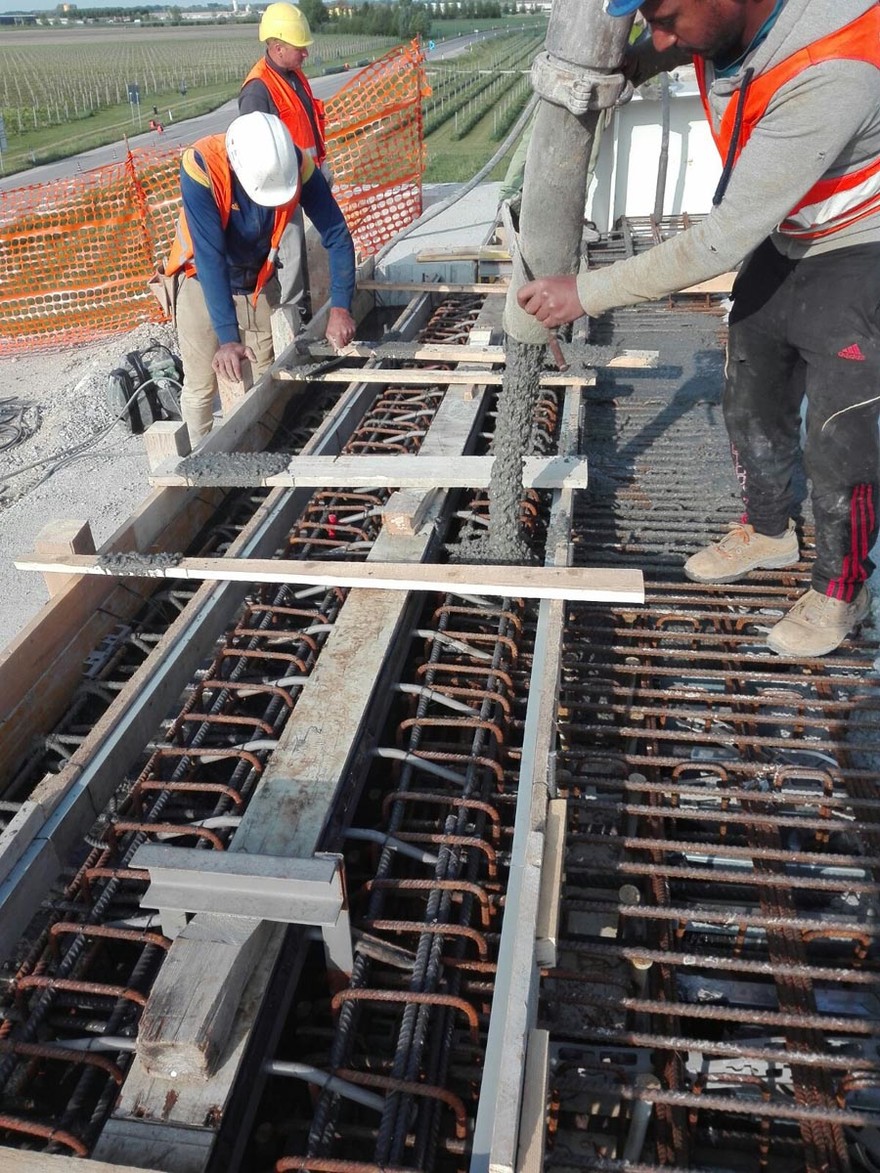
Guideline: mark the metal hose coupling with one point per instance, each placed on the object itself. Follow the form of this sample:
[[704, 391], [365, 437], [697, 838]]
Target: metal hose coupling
[[577, 88]]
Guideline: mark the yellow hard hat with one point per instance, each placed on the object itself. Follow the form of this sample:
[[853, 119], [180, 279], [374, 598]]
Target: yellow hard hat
[[285, 22]]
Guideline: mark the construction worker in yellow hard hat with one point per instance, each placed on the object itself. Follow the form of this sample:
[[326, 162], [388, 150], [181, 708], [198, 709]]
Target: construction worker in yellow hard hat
[[238, 193], [277, 85]]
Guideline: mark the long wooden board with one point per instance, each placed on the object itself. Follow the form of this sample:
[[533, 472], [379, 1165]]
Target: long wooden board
[[425, 472], [575, 583], [414, 377], [486, 287], [403, 472]]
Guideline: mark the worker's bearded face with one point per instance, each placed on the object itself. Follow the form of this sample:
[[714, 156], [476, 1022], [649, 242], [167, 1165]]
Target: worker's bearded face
[[705, 28]]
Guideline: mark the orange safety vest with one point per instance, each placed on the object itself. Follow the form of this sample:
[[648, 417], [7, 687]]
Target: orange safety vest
[[213, 152], [834, 202], [291, 110]]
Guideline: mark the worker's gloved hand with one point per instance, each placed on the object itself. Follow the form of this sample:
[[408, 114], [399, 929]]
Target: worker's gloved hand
[[552, 300], [340, 327], [228, 359]]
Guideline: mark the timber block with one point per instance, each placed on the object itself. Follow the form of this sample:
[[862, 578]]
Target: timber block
[[69, 536], [232, 390], [166, 438]]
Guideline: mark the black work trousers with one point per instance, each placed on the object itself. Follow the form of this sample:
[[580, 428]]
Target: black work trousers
[[809, 330]]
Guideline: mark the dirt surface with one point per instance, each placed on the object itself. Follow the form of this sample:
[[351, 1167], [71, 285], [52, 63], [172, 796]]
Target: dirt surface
[[64, 413]]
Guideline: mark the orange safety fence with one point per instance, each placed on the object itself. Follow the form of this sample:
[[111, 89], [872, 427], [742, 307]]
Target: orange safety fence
[[76, 253]]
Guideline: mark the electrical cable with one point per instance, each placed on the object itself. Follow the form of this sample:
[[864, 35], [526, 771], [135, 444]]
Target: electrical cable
[[77, 451]]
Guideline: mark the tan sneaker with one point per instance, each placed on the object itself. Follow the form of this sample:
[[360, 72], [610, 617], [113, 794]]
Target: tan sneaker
[[739, 552], [817, 624]]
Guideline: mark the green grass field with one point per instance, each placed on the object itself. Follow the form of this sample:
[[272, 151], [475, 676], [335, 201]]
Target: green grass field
[[63, 91], [52, 108]]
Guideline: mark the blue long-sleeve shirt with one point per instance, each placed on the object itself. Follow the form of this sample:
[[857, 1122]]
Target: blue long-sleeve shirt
[[228, 261]]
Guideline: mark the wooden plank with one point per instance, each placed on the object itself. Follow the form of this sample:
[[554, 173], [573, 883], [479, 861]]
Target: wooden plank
[[414, 377], [426, 472], [43, 664], [287, 817], [547, 929], [523, 582], [166, 438], [403, 352], [401, 471], [63, 537], [533, 1121], [232, 390], [486, 287], [479, 252], [20, 1161]]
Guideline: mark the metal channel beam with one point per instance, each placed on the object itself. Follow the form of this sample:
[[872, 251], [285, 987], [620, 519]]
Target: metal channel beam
[[514, 1005]]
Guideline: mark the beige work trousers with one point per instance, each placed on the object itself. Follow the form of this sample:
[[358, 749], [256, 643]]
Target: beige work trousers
[[198, 345]]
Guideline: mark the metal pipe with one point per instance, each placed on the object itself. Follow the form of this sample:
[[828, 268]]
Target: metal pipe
[[577, 77]]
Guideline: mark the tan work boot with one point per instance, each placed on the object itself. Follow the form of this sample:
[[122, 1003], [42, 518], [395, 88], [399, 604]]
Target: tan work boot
[[739, 552], [817, 624]]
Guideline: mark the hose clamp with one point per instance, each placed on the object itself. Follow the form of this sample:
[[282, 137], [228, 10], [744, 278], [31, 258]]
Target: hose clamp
[[578, 90]]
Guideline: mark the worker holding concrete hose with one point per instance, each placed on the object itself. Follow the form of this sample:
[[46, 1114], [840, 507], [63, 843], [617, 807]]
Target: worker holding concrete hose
[[239, 192], [277, 85], [792, 92]]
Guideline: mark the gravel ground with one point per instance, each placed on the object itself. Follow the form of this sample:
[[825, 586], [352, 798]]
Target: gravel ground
[[62, 396]]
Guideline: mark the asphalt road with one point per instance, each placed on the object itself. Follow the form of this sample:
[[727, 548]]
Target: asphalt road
[[183, 133]]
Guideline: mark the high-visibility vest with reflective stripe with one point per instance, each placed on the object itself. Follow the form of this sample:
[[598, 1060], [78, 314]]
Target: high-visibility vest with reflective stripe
[[213, 152], [833, 203], [291, 110]]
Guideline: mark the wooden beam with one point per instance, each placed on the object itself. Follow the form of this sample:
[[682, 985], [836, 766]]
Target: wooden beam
[[63, 537], [521, 582], [166, 438], [533, 1121]]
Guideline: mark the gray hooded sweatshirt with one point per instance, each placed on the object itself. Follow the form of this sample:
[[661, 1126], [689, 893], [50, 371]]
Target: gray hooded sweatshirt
[[823, 122]]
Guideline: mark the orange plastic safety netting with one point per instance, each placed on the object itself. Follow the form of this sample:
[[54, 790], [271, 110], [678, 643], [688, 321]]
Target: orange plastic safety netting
[[75, 254], [375, 147]]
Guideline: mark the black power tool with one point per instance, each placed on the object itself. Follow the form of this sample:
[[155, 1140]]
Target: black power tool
[[146, 388]]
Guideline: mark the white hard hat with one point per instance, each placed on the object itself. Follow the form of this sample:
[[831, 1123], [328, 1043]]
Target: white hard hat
[[263, 157]]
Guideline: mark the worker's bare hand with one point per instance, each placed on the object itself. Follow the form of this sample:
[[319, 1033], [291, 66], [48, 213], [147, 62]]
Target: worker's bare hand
[[552, 300], [340, 327], [228, 359]]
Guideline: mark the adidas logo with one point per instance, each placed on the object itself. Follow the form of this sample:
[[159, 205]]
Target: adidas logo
[[853, 353]]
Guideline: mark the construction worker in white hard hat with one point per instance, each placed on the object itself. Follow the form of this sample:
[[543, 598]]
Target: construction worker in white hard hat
[[239, 193], [277, 85]]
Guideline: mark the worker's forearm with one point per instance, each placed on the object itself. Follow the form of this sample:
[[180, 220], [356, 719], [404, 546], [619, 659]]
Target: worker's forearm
[[323, 211]]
